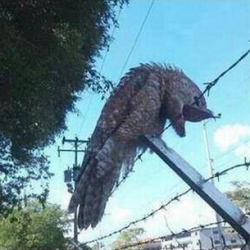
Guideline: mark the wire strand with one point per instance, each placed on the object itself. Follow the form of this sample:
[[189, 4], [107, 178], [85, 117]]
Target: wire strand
[[137, 38], [100, 70], [193, 229], [176, 198], [206, 90]]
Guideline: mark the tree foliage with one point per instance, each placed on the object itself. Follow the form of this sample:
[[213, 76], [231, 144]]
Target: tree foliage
[[34, 228], [47, 55], [127, 237], [241, 195], [17, 176]]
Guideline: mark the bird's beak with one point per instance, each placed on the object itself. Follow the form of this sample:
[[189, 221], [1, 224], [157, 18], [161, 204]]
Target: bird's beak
[[195, 114]]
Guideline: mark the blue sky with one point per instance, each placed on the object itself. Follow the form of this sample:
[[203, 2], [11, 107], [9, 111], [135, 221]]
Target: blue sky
[[202, 37]]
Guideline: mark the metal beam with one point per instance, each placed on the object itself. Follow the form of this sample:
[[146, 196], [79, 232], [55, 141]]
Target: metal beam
[[206, 190]]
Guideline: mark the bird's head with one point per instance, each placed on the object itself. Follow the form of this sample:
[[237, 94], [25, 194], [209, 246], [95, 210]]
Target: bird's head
[[185, 103]]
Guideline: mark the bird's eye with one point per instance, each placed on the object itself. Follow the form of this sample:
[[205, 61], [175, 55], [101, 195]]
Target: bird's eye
[[197, 101]]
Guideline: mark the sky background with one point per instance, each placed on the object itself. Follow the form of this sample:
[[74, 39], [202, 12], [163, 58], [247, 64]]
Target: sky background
[[202, 37]]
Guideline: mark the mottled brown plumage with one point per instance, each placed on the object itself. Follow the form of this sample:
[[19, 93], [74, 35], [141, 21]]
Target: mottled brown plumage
[[145, 98]]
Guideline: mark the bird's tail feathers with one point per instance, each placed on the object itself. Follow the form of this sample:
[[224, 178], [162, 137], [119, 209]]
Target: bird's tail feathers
[[95, 185]]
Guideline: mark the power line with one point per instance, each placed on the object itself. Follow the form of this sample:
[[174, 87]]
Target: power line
[[206, 90], [176, 198], [226, 153], [112, 36], [137, 37], [101, 68], [219, 156], [231, 150], [210, 85], [85, 114]]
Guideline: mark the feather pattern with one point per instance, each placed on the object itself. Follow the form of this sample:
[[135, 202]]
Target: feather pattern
[[145, 98]]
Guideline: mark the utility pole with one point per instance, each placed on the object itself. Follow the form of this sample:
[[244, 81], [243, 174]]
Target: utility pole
[[72, 174], [211, 170]]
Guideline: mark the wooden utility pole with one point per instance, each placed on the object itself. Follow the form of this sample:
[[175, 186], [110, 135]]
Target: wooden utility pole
[[73, 174]]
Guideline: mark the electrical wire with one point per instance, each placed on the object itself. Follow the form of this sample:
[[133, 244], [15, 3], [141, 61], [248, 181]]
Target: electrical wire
[[137, 38]]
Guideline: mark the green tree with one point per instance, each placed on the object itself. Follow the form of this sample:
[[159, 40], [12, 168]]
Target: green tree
[[47, 56], [48, 50], [128, 237], [17, 176], [34, 228], [241, 195]]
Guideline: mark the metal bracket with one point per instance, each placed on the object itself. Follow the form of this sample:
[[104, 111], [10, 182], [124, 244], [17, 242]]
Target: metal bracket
[[206, 190]]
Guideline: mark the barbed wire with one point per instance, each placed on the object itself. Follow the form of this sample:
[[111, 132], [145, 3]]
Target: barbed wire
[[208, 88], [151, 240], [155, 239], [214, 82], [176, 198], [210, 85], [243, 245], [225, 171]]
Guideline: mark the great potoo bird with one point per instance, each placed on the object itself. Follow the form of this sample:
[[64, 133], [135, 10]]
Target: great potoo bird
[[146, 97]]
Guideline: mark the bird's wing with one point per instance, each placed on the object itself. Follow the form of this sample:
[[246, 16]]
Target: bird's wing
[[115, 111], [131, 112]]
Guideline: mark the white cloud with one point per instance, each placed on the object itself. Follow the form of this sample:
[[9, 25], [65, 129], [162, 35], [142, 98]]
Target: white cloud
[[188, 212], [230, 135], [65, 200], [60, 197], [120, 214], [243, 150], [115, 212]]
